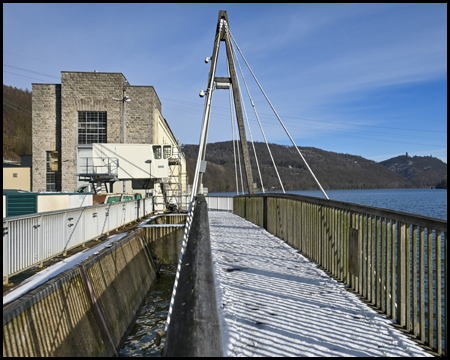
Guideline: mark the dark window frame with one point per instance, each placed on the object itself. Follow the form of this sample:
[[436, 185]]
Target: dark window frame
[[167, 155], [92, 127], [52, 171]]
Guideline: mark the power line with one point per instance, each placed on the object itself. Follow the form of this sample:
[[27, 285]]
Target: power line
[[34, 72], [312, 129], [29, 77], [45, 61], [15, 107], [308, 128], [347, 133], [315, 120]]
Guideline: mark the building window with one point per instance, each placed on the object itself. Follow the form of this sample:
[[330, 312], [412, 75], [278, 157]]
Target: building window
[[167, 151], [91, 127], [14, 174], [52, 171], [157, 152]]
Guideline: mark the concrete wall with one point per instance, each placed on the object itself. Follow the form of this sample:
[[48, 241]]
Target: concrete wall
[[80, 200], [85, 311], [60, 201], [16, 178], [165, 242], [52, 202]]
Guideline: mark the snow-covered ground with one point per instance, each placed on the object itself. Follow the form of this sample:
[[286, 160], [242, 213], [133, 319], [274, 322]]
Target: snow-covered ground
[[272, 301]]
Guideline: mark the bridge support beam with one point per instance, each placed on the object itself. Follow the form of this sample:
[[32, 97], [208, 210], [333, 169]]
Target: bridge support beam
[[222, 36]]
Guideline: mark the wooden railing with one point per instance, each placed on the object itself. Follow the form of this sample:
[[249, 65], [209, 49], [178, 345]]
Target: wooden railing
[[396, 260]]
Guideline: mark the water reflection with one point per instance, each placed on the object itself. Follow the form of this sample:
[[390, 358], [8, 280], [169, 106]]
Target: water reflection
[[152, 318], [153, 314]]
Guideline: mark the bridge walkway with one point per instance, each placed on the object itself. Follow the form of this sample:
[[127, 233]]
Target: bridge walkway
[[272, 301]]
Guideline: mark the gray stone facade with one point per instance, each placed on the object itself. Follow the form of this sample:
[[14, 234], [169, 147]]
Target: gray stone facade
[[46, 130], [55, 118]]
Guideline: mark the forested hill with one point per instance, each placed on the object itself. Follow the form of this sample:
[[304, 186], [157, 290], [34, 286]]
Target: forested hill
[[334, 170], [423, 171], [16, 122]]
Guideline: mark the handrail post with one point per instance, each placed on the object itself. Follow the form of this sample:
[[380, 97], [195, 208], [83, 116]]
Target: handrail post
[[401, 276], [430, 288], [264, 212]]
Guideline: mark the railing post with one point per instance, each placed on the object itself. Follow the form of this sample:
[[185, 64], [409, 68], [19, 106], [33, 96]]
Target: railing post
[[430, 288], [388, 267], [378, 244], [39, 251], [383, 265], [298, 225], [360, 254], [373, 262], [333, 222], [438, 294], [445, 289], [394, 270], [346, 245], [265, 212], [414, 281], [408, 277], [401, 276], [6, 251]]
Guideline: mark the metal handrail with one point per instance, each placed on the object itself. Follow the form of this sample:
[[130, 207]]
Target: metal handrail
[[29, 240], [219, 203], [108, 166]]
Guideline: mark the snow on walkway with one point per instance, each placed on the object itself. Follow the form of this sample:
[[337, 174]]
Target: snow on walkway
[[272, 301]]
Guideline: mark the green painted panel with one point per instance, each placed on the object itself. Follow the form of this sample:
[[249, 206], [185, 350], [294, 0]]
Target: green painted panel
[[21, 204]]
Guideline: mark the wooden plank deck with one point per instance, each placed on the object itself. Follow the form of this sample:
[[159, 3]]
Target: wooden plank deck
[[272, 301]]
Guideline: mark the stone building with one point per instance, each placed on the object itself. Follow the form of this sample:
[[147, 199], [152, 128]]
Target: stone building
[[69, 117]]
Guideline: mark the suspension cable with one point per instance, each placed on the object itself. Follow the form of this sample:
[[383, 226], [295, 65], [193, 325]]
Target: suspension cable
[[260, 126], [237, 136], [234, 148], [245, 111], [279, 119]]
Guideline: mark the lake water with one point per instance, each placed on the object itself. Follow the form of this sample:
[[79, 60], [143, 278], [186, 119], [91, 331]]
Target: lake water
[[425, 202]]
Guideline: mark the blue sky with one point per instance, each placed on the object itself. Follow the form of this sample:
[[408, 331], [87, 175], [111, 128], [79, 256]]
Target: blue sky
[[363, 79]]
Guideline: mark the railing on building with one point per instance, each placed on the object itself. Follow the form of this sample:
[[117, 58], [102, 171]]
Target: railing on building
[[29, 240], [220, 203], [395, 260], [96, 168]]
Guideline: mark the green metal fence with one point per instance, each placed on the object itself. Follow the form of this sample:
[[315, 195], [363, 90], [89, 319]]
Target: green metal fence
[[396, 260], [21, 204]]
